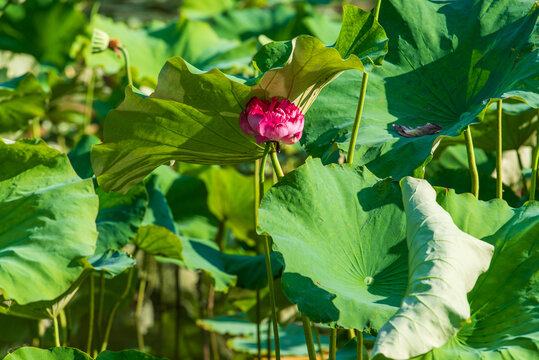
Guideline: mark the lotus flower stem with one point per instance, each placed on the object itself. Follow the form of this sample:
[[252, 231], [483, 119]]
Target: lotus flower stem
[[359, 340], [127, 65], [56, 331], [276, 165], [115, 308], [535, 164], [256, 205], [522, 175], [318, 342], [308, 337], [332, 343], [91, 316], [101, 303], [63, 326], [361, 101], [268, 261], [471, 162], [499, 184], [89, 102], [138, 309]]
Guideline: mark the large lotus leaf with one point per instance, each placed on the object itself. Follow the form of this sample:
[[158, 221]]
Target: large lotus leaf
[[445, 263], [446, 62], [503, 303], [42, 242], [150, 47], [119, 217], [330, 215], [21, 100], [231, 199], [193, 117], [43, 28], [65, 353]]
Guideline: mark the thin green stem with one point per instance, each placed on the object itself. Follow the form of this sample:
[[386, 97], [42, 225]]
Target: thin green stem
[[332, 343], [535, 163], [471, 162], [308, 337], [376, 10], [268, 260], [127, 64], [276, 165], [258, 312], [361, 101], [36, 128], [91, 316], [522, 176], [357, 120], [499, 186], [138, 309], [359, 340], [177, 320], [115, 308], [318, 343], [63, 326], [89, 102], [56, 332], [101, 303]]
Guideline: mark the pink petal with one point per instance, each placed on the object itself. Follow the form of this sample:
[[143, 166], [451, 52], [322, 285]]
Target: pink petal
[[244, 125]]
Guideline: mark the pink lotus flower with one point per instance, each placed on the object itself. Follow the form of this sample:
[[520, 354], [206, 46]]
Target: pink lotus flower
[[278, 120]]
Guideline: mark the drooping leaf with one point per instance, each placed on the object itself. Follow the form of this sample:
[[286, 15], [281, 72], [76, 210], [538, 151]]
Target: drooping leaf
[[445, 263], [42, 243], [193, 117], [113, 262], [43, 28], [187, 199], [444, 70], [226, 269], [158, 240], [119, 217], [503, 303], [21, 100], [79, 156], [330, 215], [231, 199]]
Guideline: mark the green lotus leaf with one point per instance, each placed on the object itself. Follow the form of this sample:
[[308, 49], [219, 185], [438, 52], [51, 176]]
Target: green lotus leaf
[[66, 353], [113, 262], [445, 263], [45, 29], [340, 269], [193, 117], [21, 99], [444, 70], [503, 303], [158, 240], [42, 244]]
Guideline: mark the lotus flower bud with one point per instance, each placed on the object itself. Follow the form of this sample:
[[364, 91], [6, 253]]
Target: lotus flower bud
[[278, 120]]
